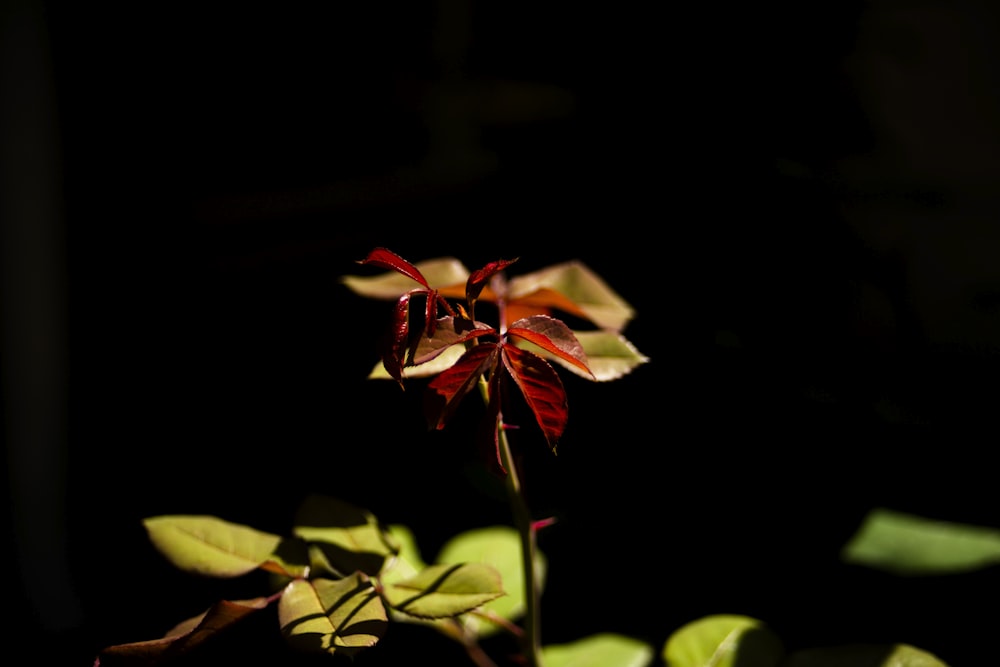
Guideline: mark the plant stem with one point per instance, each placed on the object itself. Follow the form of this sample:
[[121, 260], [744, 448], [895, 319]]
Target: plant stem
[[531, 640]]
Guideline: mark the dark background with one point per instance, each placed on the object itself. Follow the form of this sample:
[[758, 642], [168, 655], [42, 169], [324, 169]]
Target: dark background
[[800, 203]]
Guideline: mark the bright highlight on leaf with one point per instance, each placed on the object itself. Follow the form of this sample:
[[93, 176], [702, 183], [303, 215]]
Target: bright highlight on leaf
[[439, 591], [343, 615], [723, 640], [210, 546], [609, 355], [572, 287], [911, 545]]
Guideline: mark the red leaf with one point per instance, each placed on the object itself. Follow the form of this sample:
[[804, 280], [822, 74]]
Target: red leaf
[[450, 386], [430, 312], [184, 638], [542, 389], [448, 331], [394, 352], [478, 279], [390, 260], [554, 336]]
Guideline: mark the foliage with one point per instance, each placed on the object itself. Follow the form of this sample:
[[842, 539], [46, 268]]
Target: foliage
[[340, 577]]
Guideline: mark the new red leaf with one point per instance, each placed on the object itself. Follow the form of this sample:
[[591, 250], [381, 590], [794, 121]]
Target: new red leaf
[[554, 336], [449, 331], [390, 260], [450, 386], [542, 389], [478, 279], [184, 638], [394, 352]]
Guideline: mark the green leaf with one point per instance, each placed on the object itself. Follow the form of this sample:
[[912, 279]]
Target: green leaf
[[582, 287], [325, 615], [441, 591], [609, 355], [499, 547], [601, 650], [864, 655], [440, 272], [349, 537], [911, 545], [723, 640], [210, 546], [408, 562]]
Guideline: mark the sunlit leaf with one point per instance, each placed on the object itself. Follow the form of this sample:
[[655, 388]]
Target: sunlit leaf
[[331, 616], [182, 638], [446, 359], [349, 537], [542, 389], [609, 355], [446, 391], [723, 640], [553, 336], [438, 273], [407, 565], [863, 655], [601, 650], [398, 339], [444, 590], [499, 547], [210, 546], [449, 331], [912, 545], [387, 259], [408, 562], [573, 288]]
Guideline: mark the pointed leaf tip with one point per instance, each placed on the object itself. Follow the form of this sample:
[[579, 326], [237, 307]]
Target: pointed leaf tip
[[387, 259], [477, 279]]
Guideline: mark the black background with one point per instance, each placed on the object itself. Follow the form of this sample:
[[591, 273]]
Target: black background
[[799, 203]]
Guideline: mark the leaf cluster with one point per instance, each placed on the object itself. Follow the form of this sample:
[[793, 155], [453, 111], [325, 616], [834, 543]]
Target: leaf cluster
[[447, 341], [337, 580]]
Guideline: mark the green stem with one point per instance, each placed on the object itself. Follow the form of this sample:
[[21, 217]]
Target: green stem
[[531, 639], [522, 521]]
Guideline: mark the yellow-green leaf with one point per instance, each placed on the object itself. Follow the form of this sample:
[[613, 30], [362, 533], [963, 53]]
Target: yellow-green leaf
[[580, 286], [325, 615], [210, 546], [408, 562], [349, 537], [906, 544], [440, 591], [718, 640], [601, 650], [499, 547], [442, 362]]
